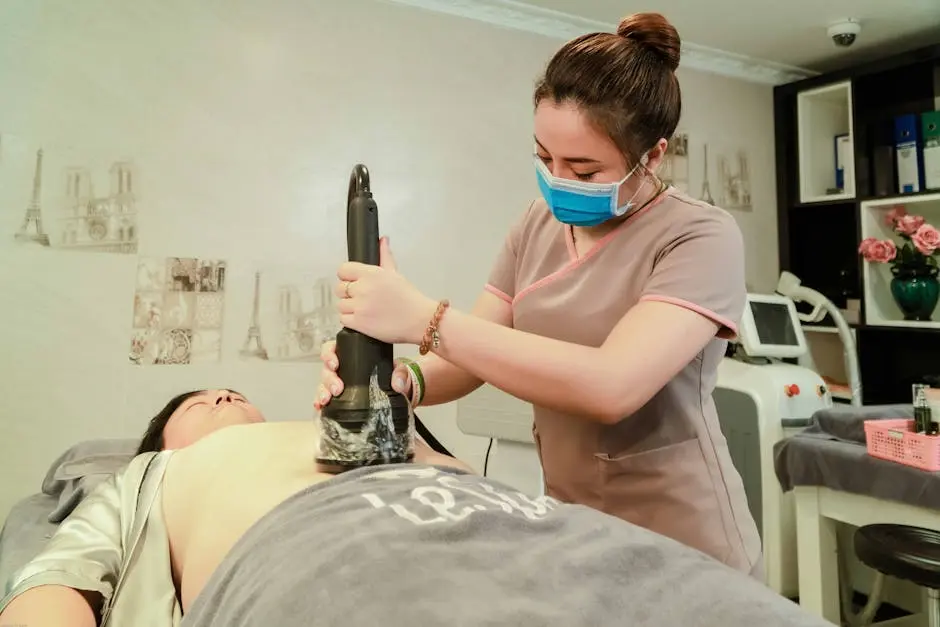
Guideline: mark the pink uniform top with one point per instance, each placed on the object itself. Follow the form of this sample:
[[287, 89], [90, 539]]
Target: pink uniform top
[[666, 467]]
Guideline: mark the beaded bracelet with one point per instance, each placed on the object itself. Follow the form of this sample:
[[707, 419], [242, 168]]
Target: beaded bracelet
[[432, 338], [417, 380]]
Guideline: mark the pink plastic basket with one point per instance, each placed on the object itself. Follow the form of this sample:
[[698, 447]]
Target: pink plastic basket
[[896, 441]]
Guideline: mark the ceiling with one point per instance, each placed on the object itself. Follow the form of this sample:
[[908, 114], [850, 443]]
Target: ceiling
[[791, 32]]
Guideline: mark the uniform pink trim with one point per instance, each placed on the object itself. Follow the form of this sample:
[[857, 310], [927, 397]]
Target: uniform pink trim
[[573, 251], [495, 291], [729, 330]]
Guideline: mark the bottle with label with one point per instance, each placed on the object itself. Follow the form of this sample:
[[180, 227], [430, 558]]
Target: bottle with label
[[933, 401], [922, 413]]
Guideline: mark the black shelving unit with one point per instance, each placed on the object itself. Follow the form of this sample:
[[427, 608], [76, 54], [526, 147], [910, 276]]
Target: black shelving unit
[[820, 227]]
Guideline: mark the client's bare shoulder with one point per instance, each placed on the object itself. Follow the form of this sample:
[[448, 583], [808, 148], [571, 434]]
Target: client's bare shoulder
[[241, 457], [237, 448], [215, 489], [271, 450]]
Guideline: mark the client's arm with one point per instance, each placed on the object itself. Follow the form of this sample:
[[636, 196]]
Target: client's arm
[[445, 382], [51, 606], [73, 577]]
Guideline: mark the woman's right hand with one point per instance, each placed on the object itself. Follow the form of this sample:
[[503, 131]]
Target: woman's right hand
[[331, 385]]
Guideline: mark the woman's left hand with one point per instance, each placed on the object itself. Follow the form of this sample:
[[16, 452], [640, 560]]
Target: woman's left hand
[[379, 302]]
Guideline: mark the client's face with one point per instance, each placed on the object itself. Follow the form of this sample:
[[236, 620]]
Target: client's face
[[206, 412]]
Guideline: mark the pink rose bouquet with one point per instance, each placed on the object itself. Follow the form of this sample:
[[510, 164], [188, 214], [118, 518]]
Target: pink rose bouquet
[[917, 254]]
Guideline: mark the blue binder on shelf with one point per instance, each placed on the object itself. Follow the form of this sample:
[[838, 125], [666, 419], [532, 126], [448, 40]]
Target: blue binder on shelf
[[907, 153], [843, 148]]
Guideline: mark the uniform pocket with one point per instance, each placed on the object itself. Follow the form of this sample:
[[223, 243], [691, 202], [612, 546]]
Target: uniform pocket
[[651, 456], [668, 490]]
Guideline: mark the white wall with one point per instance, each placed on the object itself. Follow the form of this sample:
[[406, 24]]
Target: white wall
[[242, 120], [727, 113]]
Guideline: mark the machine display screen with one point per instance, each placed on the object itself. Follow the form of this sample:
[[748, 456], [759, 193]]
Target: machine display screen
[[774, 324]]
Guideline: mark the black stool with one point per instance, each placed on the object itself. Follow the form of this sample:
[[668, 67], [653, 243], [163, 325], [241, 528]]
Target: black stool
[[907, 553]]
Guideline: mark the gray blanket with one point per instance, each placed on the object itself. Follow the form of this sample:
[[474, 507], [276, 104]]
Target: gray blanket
[[832, 453], [411, 545]]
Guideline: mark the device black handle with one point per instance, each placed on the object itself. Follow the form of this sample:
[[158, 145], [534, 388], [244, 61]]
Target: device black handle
[[362, 219], [360, 355]]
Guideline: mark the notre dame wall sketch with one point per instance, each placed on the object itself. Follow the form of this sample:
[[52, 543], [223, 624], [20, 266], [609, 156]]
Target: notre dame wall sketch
[[75, 207], [291, 315]]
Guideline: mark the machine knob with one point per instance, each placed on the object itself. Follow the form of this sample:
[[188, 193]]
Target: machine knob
[[821, 390], [791, 390]]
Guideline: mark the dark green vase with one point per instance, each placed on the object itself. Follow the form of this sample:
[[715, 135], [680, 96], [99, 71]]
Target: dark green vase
[[916, 291]]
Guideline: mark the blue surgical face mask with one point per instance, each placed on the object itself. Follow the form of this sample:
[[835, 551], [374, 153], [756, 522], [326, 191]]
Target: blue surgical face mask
[[580, 203]]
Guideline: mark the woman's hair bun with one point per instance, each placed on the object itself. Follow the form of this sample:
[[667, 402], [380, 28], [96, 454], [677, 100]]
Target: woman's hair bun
[[653, 31]]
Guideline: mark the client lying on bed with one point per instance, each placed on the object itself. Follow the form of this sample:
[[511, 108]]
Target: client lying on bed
[[237, 526]]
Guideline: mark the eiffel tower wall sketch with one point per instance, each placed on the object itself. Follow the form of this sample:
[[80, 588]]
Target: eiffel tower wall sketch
[[706, 193], [293, 312], [731, 177], [675, 167], [74, 202], [32, 229], [178, 311]]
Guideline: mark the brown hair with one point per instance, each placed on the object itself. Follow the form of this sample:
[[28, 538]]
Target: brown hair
[[153, 441], [625, 82]]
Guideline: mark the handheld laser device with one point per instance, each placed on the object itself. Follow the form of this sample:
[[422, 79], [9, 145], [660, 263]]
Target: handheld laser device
[[369, 423]]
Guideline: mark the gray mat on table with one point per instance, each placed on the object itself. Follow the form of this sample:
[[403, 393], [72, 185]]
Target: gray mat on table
[[832, 453]]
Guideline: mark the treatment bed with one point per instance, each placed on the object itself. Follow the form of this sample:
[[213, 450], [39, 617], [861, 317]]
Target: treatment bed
[[32, 520], [457, 565]]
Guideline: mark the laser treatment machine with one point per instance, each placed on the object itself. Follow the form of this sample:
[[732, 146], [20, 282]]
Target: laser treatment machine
[[762, 399]]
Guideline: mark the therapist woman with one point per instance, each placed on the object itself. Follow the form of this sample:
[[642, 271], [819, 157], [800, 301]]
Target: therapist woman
[[608, 308]]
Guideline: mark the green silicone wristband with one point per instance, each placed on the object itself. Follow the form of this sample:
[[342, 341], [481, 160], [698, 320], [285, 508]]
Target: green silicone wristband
[[417, 380]]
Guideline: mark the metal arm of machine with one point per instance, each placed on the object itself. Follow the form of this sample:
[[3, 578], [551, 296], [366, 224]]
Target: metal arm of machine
[[791, 287], [816, 315]]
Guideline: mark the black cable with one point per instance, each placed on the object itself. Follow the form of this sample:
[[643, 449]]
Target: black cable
[[435, 445], [429, 438], [486, 458]]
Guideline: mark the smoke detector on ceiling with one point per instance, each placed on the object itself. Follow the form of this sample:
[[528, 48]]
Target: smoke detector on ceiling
[[844, 32]]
